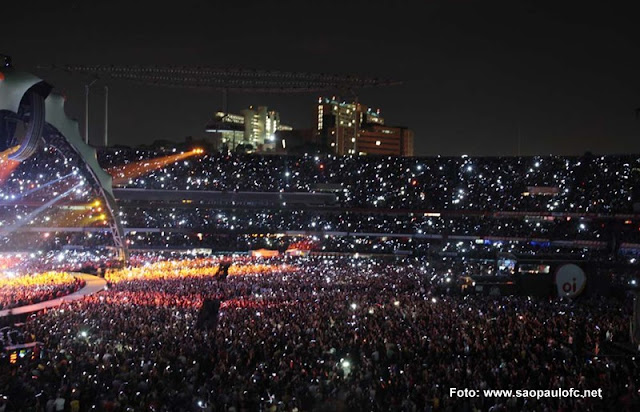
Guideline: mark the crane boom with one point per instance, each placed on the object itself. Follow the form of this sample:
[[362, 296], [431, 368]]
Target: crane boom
[[238, 80]]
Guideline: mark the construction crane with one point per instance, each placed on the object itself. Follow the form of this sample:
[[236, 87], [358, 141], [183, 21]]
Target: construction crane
[[235, 80], [217, 79]]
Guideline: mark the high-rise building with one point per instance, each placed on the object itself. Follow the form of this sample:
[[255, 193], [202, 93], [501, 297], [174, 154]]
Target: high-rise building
[[255, 128], [353, 128], [385, 140]]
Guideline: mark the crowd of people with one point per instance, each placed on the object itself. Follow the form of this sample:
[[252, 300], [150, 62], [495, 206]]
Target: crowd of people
[[337, 329], [584, 184], [41, 176], [202, 219], [21, 290], [94, 261], [575, 206], [599, 190], [319, 334], [462, 247]]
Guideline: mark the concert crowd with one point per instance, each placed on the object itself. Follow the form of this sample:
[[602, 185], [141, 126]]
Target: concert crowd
[[584, 184], [324, 334]]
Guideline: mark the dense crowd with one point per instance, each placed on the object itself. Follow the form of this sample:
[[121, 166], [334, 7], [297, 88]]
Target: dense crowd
[[68, 260], [202, 219], [27, 241], [585, 184], [20, 290], [472, 196], [43, 176], [381, 244], [325, 334]]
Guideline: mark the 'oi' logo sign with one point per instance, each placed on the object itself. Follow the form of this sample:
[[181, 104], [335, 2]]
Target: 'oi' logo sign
[[570, 280]]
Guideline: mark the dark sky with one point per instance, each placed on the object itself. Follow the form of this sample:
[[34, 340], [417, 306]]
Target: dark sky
[[565, 76]]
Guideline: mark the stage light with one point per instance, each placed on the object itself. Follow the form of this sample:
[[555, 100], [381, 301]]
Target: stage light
[[7, 166]]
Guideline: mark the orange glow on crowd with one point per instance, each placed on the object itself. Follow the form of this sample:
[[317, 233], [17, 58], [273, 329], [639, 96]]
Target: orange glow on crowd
[[203, 267], [35, 280], [7, 166], [7, 262]]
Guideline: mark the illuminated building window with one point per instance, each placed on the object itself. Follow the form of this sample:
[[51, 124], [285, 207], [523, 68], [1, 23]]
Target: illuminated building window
[[377, 142]]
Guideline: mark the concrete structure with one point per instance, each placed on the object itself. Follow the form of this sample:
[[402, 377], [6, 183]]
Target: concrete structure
[[353, 128]]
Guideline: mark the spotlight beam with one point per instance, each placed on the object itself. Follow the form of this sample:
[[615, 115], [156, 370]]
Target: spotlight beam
[[9, 229], [121, 174], [29, 192]]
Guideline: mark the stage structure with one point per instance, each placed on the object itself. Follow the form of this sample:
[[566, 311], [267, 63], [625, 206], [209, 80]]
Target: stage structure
[[27, 102]]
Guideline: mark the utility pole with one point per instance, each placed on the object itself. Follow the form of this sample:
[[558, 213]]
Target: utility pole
[[106, 116], [86, 110]]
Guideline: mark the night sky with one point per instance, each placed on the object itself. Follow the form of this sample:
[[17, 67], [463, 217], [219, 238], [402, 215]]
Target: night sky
[[563, 76]]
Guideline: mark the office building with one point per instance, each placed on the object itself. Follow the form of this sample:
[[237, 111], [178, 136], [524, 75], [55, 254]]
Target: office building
[[254, 129], [353, 128]]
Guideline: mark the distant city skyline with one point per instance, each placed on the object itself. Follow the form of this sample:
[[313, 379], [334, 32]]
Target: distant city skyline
[[476, 75]]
